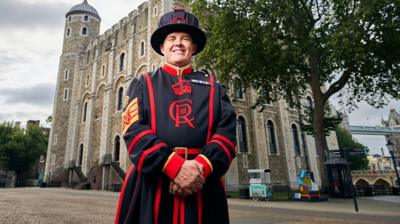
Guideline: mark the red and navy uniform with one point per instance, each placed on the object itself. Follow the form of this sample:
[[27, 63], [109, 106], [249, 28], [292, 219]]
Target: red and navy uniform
[[169, 108]]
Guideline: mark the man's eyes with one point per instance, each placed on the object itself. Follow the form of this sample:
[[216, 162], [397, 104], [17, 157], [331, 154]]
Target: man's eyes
[[183, 38]]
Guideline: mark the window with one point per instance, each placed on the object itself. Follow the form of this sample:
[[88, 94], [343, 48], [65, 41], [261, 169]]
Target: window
[[68, 32], [86, 18], [84, 112], [121, 61], [103, 70], [117, 148], [84, 31], [80, 155], [87, 80], [119, 98], [309, 104], [66, 75], [238, 91], [242, 135], [141, 53], [296, 141], [69, 19], [55, 140], [271, 137], [65, 97], [154, 11]]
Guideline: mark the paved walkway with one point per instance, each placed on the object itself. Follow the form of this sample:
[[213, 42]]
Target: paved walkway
[[378, 205], [60, 205]]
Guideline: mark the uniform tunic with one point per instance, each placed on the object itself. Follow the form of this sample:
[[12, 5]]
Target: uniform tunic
[[169, 108]]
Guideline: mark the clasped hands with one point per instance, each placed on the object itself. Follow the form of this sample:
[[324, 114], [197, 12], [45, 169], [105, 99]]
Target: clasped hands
[[189, 179]]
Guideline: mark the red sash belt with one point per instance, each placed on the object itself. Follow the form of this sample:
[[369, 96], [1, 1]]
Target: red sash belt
[[186, 151]]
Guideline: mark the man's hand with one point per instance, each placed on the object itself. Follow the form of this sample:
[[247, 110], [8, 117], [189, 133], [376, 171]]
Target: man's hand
[[189, 179]]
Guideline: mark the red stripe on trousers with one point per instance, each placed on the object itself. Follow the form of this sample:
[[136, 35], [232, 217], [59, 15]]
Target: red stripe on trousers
[[224, 148], [226, 140], [182, 208], [200, 207], [137, 138], [152, 104], [147, 152], [176, 210], [157, 201], [211, 108], [121, 195]]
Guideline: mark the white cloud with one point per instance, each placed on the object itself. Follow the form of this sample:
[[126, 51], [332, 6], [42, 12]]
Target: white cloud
[[31, 35]]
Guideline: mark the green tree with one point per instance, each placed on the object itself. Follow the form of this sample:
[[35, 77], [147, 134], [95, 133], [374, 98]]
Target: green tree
[[281, 47], [347, 142], [20, 149]]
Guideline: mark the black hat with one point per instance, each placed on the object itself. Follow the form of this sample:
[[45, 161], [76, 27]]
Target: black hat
[[178, 21]]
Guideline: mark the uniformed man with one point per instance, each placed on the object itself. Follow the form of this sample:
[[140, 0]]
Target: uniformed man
[[179, 127]]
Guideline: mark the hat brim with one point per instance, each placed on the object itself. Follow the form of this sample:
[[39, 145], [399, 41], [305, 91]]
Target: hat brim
[[158, 37]]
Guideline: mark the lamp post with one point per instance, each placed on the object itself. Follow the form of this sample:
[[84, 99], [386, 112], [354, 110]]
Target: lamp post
[[390, 146]]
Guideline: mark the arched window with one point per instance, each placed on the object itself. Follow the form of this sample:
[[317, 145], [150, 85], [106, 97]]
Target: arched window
[[242, 135], [84, 31], [121, 61], [119, 98], [68, 32], [84, 112], [86, 18], [296, 142], [141, 48], [116, 148], [80, 155], [271, 137], [309, 103]]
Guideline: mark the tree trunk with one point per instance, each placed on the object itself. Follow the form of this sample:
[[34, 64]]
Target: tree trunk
[[318, 117], [320, 142]]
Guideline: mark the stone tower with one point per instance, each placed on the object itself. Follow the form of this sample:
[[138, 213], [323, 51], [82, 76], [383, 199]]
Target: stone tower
[[82, 25]]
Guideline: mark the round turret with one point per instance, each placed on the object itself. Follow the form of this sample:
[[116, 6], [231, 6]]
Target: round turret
[[82, 25]]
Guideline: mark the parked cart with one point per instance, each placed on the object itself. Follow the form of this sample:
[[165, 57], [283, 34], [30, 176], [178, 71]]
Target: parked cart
[[260, 184]]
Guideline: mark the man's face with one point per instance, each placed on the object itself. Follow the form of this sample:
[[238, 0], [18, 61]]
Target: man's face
[[178, 48]]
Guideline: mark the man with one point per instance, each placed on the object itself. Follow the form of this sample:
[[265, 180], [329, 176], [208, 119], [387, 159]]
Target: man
[[180, 131]]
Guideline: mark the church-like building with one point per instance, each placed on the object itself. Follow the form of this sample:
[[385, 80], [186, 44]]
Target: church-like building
[[85, 145]]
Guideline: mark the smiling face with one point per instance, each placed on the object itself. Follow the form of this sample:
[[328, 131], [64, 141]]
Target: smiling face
[[178, 48]]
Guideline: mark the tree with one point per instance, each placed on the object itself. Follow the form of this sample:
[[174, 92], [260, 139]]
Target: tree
[[282, 47], [19, 148], [347, 143]]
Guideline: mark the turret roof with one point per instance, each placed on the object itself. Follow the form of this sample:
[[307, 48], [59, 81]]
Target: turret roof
[[84, 7]]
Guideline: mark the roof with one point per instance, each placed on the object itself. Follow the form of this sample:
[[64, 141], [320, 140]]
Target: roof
[[83, 8]]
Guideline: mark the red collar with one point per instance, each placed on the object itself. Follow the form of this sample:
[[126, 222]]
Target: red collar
[[177, 71]]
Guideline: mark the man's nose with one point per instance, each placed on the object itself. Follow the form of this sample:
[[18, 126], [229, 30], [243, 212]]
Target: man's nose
[[178, 42]]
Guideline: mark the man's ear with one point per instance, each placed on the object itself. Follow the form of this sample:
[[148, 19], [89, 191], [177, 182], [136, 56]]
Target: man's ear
[[194, 48], [162, 48]]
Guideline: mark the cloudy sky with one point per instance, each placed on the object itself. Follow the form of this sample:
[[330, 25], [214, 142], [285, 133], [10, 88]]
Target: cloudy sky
[[31, 33]]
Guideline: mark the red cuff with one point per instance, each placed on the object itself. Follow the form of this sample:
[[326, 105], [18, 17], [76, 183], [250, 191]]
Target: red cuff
[[173, 165], [203, 160]]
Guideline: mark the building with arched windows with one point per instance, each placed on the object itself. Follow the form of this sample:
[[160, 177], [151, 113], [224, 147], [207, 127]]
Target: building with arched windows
[[94, 72]]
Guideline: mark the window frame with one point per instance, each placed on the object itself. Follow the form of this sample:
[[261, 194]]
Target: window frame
[[271, 137]]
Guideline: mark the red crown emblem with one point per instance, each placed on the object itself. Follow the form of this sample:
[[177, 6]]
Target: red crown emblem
[[182, 87]]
